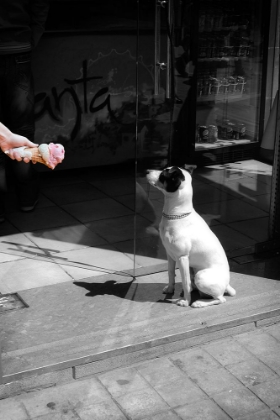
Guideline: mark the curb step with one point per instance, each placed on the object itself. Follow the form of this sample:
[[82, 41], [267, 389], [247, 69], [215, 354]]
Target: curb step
[[85, 366]]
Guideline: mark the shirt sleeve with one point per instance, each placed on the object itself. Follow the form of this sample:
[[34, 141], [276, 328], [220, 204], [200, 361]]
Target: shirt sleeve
[[38, 14]]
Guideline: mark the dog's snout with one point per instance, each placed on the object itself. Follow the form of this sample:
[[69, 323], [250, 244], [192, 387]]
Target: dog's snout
[[152, 176]]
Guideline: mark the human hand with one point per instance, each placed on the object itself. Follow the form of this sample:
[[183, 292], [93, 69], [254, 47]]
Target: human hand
[[9, 141], [18, 143]]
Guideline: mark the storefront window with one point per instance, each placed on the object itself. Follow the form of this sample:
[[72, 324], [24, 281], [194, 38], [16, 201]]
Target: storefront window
[[229, 75]]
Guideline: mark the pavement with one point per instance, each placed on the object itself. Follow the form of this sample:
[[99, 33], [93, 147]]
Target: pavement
[[237, 377], [94, 338]]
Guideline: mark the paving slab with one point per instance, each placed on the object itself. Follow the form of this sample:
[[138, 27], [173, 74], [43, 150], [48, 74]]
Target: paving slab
[[238, 402]]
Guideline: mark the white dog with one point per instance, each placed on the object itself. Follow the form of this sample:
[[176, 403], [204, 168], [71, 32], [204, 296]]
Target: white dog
[[189, 242]]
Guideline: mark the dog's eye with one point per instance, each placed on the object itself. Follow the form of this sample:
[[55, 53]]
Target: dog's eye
[[172, 185]]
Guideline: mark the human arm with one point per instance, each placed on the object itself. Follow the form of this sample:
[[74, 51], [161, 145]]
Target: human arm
[[9, 140], [38, 14]]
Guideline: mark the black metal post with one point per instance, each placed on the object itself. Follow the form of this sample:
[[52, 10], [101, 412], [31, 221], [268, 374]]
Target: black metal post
[[274, 213], [1, 374]]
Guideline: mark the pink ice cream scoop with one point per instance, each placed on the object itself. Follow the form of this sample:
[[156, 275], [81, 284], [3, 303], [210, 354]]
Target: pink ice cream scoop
[[52, 154]]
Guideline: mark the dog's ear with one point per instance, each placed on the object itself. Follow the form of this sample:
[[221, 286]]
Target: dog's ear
[[190, 168]]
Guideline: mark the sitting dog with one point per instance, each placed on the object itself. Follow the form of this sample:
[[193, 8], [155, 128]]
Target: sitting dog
[[189, 242]]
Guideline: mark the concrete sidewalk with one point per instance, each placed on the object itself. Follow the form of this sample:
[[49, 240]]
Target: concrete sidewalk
[[237, 377], [87, 317]]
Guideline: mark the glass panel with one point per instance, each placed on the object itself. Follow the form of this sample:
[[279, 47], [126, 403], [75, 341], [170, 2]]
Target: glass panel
[[86, 101], [203, 106], [229, 75]]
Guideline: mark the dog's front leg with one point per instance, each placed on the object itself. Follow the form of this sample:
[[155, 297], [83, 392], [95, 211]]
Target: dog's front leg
[[184, 267], [169, 289]]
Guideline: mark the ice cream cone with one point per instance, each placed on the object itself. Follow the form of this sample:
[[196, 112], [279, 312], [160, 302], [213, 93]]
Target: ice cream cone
[[48, 154], [36, 155]]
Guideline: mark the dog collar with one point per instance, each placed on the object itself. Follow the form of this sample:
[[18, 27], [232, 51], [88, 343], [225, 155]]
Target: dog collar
[[175, 216]]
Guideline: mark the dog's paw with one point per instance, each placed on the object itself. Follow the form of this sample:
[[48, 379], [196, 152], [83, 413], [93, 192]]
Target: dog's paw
[[203, 303], [198, 304], [182, 302], [167, 290]]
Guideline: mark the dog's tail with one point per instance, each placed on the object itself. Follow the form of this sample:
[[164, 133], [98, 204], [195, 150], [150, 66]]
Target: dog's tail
[[230, 291]]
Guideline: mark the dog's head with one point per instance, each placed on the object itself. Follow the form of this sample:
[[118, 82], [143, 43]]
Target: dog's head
[[171, 179]]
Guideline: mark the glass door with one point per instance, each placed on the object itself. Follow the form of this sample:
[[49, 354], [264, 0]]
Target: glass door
[[200, 88], [86, 100]]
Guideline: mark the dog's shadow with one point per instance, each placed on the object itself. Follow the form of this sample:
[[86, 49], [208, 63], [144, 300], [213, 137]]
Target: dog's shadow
[[110, 287], [131, 290]]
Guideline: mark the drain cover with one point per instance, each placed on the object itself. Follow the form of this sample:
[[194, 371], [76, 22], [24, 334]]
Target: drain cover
[[10, 302]]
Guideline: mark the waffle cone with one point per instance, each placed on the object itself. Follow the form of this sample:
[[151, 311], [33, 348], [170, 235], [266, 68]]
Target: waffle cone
[[36, 155]]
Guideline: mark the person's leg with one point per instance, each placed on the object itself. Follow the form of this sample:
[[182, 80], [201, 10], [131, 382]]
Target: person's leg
[[3, 183], [3, 186], [19, 117]]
